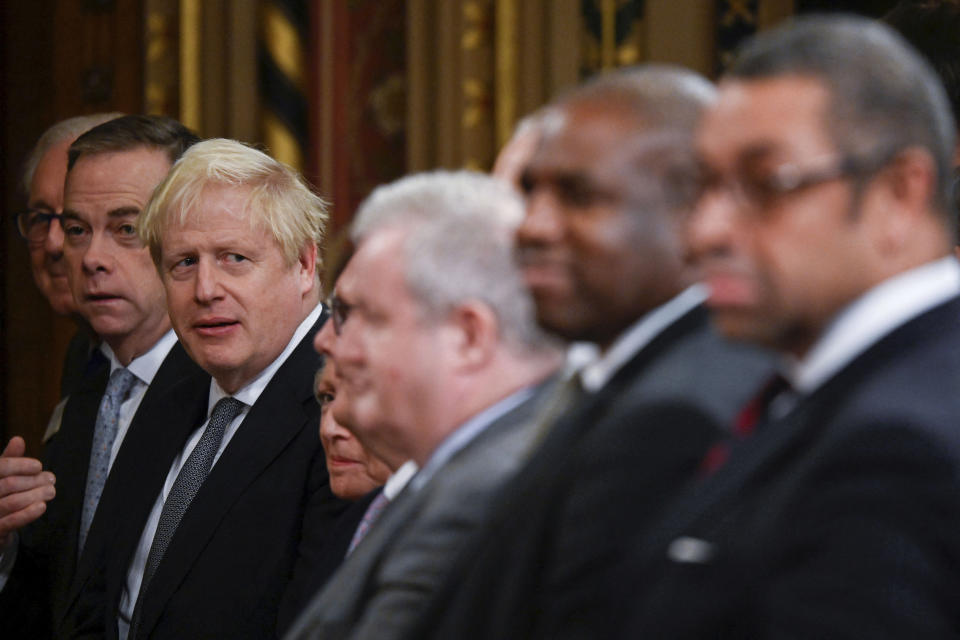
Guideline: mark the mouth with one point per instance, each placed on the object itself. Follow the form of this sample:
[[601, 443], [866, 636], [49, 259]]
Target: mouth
[[729, 290], [102, 298], [215, 327], [337, 461]]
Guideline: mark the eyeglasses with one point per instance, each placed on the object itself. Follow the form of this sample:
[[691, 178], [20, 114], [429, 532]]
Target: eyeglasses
[[34, 224], [339, 312], [757, 188]]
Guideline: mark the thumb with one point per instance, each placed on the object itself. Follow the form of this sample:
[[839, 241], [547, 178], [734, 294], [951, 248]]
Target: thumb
[[15, 448]]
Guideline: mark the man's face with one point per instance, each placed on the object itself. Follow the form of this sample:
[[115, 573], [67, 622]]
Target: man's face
[[596, 250], [111, 275], [778, 265], [46, 256], [234, 302], [388, 356]]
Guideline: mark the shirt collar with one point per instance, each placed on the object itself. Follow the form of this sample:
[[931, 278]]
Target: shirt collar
[[399, 479], [145, 366], [250, 392], [598, 373], [466, 433], [873, 315]]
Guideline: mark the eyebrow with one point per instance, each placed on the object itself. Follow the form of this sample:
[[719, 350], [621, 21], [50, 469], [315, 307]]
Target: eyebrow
[[123, 212], [39, 205]]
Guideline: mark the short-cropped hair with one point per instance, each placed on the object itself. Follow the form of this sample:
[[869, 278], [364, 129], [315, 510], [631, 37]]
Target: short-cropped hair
[[62, 131], [883, 95], [457, 245], [134, 132], [278, 199]]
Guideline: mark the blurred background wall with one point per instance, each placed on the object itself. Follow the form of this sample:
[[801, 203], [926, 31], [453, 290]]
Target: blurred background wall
[[351, 92]]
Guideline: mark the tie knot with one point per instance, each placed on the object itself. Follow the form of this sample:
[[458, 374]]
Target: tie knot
[[225, 411], [121, 380]]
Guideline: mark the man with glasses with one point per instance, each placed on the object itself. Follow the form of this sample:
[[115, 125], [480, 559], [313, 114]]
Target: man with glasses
[[825, 232], [111, 172]]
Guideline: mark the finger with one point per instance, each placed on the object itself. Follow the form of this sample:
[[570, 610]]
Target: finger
[[23, 499], [19, 519], [15, 448], [19, 467], [18, 484]]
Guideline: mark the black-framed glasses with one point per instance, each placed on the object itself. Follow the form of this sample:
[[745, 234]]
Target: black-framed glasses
[[34, 224], [757, 188], [339, 312]]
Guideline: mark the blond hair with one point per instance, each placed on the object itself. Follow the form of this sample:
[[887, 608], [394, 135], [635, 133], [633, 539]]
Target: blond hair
[[279, 200]]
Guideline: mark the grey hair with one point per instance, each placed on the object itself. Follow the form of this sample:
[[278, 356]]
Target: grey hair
[[457, 246], [883, 95], [65, 130]]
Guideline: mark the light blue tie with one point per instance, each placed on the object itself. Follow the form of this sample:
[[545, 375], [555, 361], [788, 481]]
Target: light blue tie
[[104, 433]]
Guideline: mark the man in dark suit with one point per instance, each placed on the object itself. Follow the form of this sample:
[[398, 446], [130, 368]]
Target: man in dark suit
[[607, 189], [210, 542], [440, 360], [113, 168], [825, 232]]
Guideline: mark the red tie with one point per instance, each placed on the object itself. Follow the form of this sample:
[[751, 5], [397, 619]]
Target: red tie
[[745, 423]]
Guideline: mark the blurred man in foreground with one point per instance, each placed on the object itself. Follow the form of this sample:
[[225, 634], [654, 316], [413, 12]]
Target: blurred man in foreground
[[825, 232], [442, 362], [608, 188]]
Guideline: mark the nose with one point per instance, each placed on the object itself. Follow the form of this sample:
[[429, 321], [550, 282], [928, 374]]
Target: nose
[[710, 228], [323, 341], [98, 254], [53, 242], [207, 286], [543, 222], [330, 429]]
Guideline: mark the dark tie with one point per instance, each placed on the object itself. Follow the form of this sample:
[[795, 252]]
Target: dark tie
[[746, 422], [185, 487], [104, 434]]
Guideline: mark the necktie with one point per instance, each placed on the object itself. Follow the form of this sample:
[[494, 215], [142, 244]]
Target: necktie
[[370, 516], [192, 474], [104, 433], [746, 422]]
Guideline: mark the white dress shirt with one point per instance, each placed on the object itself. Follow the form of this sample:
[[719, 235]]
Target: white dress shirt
[[248, 395], [598, 373], [872, 316], [144, 368]]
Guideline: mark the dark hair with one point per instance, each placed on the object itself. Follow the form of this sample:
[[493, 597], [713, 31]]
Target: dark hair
[[883, 96], [933, 27], [133, 132]]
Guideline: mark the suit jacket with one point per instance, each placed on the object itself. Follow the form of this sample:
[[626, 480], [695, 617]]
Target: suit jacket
[[380, 589], [265, 506], [47, 562], [838, 520], [542, 564], [310, 577]]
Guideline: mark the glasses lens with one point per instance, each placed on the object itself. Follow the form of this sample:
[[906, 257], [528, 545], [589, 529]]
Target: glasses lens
[[34, 225]]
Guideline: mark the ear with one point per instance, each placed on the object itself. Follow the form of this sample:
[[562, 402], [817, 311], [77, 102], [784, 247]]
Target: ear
[[307, 268], [904, 196], [476, 332]]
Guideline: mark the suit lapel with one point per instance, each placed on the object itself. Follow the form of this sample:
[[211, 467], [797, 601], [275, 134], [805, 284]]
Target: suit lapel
[[173, 406], [68, 456], [777, 442], [276, 419], [592, 407]]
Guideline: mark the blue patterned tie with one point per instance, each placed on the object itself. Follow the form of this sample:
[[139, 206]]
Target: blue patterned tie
[[104, 433], [192, 474], [370, 516]]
